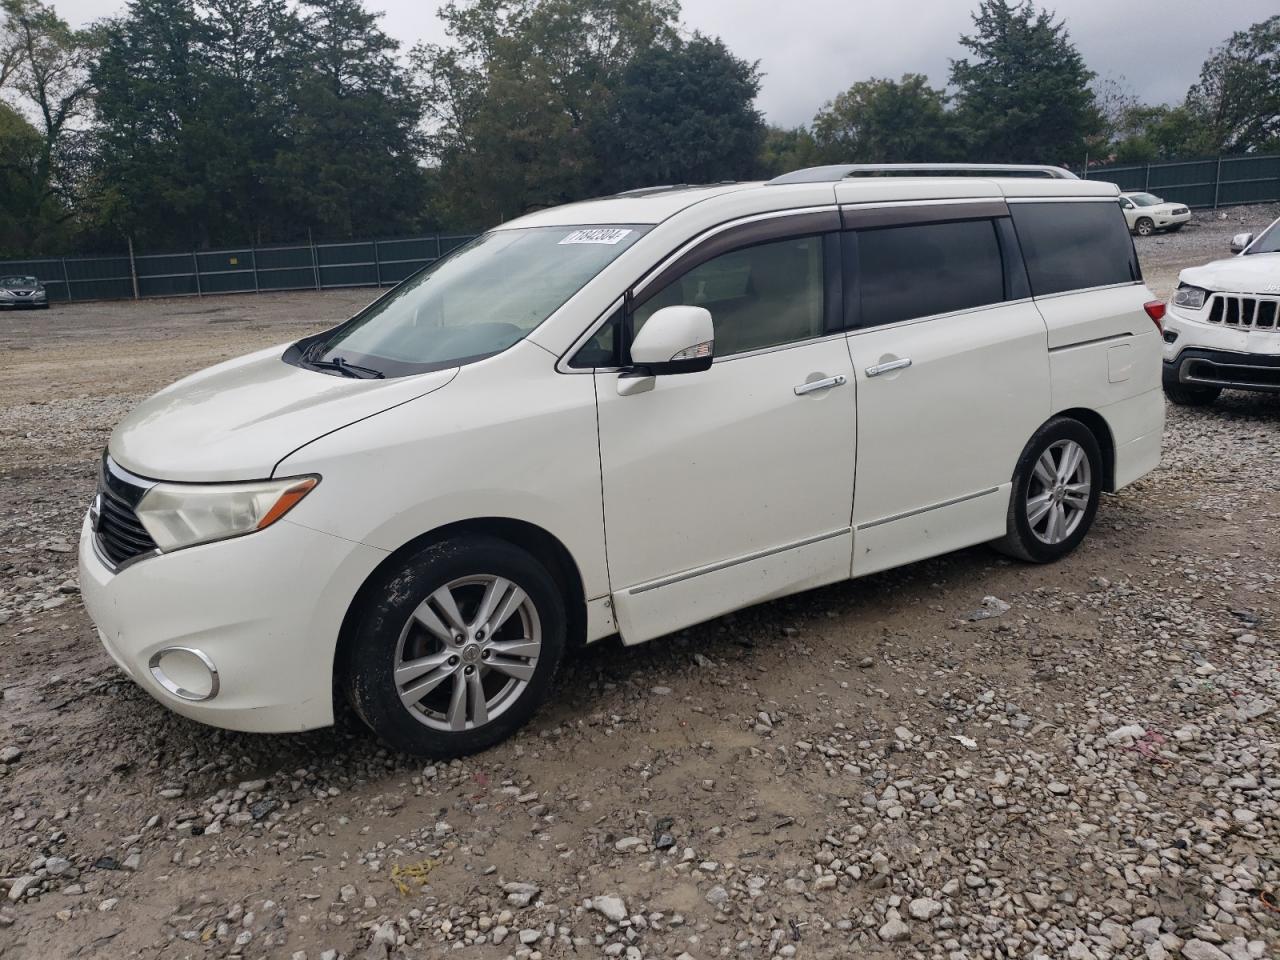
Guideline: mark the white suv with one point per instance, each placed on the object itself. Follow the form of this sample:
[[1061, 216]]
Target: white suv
[[623, 416], [1146, 213], [1223, 327]]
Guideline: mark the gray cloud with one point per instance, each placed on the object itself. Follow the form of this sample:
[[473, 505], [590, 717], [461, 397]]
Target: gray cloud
[[809, 50]]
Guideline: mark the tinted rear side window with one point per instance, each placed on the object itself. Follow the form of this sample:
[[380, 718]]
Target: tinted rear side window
[[1073, 246], [916, 271]]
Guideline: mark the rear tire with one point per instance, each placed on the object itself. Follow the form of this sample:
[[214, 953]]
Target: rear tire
[[1145, 227], [1056, 487], [456, 648], [1189, 394]]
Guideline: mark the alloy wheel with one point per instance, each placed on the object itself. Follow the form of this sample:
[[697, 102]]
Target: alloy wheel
[[1059, 491], [467, 653]]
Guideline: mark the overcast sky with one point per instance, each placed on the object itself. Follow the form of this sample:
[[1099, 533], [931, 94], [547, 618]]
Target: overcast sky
[[809, 50]]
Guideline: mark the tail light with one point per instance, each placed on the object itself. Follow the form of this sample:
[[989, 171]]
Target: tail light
[[1155, 310]]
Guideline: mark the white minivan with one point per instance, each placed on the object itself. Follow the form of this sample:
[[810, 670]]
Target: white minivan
[[624, 416]]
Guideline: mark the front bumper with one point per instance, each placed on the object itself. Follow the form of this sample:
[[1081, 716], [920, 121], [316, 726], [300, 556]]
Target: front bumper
[[1197, 366], [1163, 220], [265, 609], [23, 303]]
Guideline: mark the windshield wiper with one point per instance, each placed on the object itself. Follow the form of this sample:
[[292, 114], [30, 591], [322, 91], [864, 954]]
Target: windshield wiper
[[348, 369]]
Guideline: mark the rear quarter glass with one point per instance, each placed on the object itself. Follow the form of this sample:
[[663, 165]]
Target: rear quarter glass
[[1074, 245]]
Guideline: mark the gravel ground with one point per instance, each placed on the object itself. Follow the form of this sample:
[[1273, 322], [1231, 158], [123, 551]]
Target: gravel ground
[[893, 767]]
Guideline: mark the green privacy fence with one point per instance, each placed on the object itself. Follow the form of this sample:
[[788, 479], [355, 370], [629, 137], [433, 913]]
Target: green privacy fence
[[1220, 182], [249, 269]]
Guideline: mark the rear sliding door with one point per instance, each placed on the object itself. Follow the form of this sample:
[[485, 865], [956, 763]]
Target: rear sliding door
[[952, 376]]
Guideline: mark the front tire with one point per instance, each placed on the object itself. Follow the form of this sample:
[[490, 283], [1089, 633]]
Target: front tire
[[1145, 227], [1184, 395], [1056, 488], [1188, 394], [456, 648]]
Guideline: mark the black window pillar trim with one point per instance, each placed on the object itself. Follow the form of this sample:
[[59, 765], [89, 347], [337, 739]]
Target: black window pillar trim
[[1017, 286], [833, 308], [851, 278]]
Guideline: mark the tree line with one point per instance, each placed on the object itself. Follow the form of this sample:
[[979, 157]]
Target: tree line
[[194, 123]]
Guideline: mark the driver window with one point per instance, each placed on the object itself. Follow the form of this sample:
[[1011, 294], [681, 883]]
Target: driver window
[[760, 296]]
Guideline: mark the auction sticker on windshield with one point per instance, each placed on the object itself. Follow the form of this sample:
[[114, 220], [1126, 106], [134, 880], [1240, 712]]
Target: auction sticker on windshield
[[600, 235]]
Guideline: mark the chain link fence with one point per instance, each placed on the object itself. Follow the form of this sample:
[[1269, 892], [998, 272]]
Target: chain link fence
[[250, 269], [1220, 182]]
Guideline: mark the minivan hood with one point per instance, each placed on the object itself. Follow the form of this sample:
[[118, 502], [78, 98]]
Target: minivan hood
[[237, 420], [1255, 273]]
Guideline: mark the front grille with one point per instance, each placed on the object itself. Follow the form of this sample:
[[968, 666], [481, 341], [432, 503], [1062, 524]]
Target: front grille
[[1180, 211], [1256, 313], [121, 536]]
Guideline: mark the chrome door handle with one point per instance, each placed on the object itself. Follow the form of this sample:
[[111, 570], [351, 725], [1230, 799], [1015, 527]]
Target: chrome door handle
[[838, 380], [889, 367]]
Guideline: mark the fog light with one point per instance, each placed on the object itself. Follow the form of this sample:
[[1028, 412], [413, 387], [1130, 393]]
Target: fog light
[[185, 672], [1170, 336]]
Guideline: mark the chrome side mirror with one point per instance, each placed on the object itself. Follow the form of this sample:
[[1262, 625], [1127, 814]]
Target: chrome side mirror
[[1240, 241]]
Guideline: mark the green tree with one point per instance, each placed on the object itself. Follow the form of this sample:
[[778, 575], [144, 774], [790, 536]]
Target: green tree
[[886, 121], [683, 113], [352, 164], [514, 97], [44, 69], [152, 180], [785, 149], [1236, 102], [20, 150], [249, 53], [10, 49], [227, 121], [1023, 94], [1145, 134]]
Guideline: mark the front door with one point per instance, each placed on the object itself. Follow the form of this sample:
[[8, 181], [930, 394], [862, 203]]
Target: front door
[[734, 485]]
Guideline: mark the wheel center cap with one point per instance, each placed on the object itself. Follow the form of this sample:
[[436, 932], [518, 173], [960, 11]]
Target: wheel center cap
[[471, 653]]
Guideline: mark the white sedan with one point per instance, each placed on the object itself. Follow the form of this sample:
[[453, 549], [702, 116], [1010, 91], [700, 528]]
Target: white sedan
[[1146, 213]]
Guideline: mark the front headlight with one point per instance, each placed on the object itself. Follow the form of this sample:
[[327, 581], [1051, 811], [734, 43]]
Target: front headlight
[[1189, 296], [184, 514]]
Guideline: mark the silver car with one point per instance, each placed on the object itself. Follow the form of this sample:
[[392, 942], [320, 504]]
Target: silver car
[[21, 291]]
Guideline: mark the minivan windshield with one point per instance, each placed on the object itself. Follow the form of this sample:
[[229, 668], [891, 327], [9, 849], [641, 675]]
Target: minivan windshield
[[1269, 242], [478, 301]]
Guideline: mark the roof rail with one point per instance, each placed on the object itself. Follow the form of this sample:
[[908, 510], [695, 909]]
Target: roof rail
[[657, 188], [669, 187], [840, 171]]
